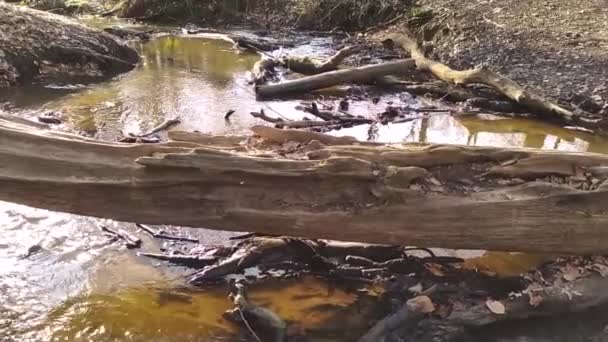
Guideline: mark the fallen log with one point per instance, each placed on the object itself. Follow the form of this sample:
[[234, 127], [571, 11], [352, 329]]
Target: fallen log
[[309, 66], [264, 71], [425, 195], [362, 74], [482, 75]]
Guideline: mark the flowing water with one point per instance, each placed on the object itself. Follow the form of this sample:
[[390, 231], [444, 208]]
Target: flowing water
[[79, 287]]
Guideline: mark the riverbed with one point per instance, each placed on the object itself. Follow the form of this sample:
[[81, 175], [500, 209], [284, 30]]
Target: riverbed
[[81, 287]]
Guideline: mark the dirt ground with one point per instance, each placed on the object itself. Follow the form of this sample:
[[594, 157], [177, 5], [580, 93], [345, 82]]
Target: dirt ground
[[555, 47], [36, 45]]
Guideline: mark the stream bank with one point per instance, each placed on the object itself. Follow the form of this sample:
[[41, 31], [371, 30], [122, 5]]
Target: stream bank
[[42, 47]]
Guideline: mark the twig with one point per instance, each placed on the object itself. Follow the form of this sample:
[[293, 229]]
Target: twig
[[409, 249], [162, 235], [248, 325], [186, 260], [246, 236], [229, 114], [130, 240], [163, 126]]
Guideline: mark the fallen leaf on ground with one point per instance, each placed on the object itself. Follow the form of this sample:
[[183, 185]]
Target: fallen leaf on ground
[[496, 307], [535, 299], [421, 304], [435, 269]]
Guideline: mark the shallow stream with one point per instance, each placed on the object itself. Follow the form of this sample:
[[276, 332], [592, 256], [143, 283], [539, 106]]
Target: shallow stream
[[81, 288]]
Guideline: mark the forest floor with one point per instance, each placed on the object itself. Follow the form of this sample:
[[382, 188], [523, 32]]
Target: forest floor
[[555, 47]]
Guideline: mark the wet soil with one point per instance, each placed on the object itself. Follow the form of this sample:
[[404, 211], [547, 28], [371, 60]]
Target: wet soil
[[40, 46]]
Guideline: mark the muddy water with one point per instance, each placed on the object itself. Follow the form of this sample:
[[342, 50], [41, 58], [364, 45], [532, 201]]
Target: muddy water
[[80, 288]]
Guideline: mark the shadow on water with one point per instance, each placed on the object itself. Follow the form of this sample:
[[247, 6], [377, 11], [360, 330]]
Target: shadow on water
[[79, 288]]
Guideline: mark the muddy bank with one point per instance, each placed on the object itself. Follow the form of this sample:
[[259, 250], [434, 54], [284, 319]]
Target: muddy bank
[[69, 7], [558, 48], [39, 47]]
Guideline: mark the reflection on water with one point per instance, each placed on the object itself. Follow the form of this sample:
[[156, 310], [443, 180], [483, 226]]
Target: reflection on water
[[158, 314], [96, 291], [485, 130]]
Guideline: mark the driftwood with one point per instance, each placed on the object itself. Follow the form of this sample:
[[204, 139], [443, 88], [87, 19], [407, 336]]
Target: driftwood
[[309, 66], [130, 240], [264, 71], [160, 234], [161, 127], [362, 74], [184, 260], [425, 195], [329, 121], [482, 75]]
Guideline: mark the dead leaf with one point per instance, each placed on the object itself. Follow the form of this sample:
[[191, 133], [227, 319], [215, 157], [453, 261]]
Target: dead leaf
[[571, 273], [496, 307], [601, 269], [416, 289], [421, 304], [535, 299], [435, 269]]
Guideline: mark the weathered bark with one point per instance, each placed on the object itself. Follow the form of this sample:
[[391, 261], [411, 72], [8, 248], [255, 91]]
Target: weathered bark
[[427, 195], [35, 45], [309, 66], [264, 71], [482, 75], [329, 79]]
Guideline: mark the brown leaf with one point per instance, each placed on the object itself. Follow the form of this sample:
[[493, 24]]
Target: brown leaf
[[496, 307], [435, 269], [601, 269], [571, 273], [421, 304], [535, 299]]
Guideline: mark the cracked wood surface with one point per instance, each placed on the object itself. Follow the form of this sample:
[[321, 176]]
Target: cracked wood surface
[[318, 187]]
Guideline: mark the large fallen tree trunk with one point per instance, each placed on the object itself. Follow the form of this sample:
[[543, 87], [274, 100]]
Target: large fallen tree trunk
[[363, 74], [430, 195]]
